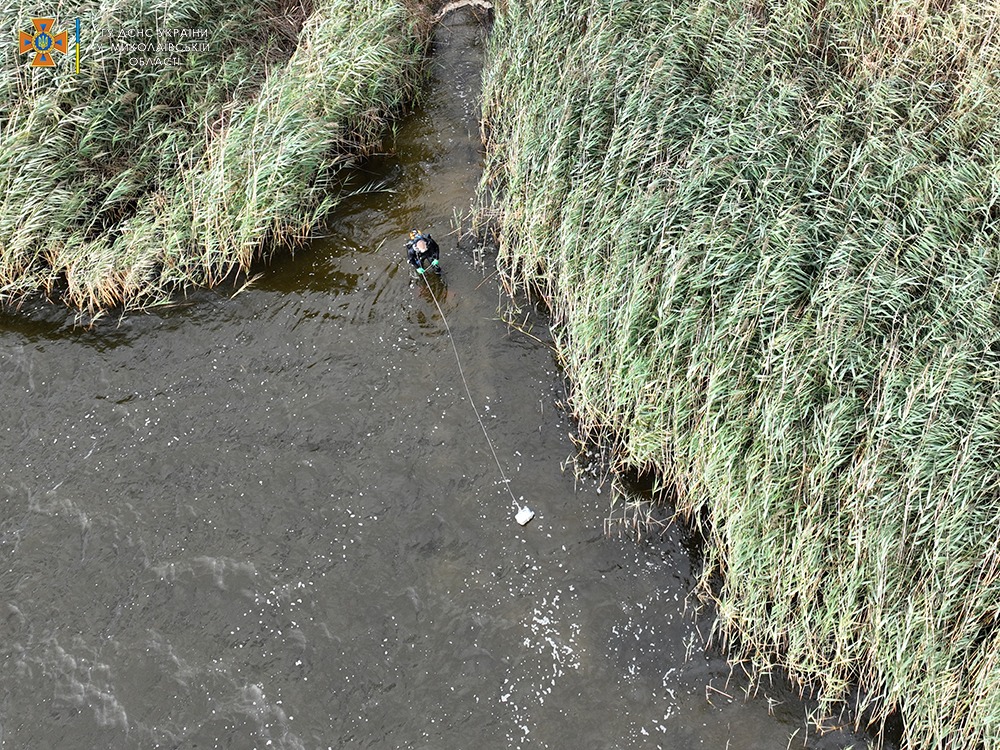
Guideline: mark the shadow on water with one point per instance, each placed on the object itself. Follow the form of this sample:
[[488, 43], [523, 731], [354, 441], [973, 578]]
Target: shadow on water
[[271, 519]]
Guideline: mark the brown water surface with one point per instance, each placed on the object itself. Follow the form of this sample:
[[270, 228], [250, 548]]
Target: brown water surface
[[272, 521]]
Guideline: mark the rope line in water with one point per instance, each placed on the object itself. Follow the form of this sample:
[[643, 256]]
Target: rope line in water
[[472, 403]]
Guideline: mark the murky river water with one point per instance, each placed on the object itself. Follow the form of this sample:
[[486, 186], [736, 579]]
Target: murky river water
[[272, 521]]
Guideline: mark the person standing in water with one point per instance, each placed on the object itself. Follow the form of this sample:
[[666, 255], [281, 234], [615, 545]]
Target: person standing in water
[[421, 248]]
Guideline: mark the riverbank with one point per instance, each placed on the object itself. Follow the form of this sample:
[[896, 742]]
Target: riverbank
[[768, 236], [216, 531], [134, 179]]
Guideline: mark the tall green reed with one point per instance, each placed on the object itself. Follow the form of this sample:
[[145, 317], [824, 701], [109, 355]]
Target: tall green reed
[[126, 182], [769, 236]]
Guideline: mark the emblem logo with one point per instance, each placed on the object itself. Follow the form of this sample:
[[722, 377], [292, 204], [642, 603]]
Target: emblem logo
[[43, 43]]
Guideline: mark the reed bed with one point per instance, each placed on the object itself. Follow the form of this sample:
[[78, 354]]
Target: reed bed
[[124, 183], [769, 235]]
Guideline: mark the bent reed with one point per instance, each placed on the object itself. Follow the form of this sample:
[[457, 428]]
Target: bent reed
[[769, 235], [124, 183]]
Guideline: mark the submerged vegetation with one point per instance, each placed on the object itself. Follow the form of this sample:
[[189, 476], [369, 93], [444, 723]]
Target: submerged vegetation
[[769, 235], [123, 183]]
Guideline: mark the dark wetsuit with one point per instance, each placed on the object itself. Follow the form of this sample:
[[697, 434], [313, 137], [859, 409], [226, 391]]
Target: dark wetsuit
[[423, 248]]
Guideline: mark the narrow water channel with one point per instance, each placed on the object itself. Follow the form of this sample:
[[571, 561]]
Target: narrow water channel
[[272, 520]]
